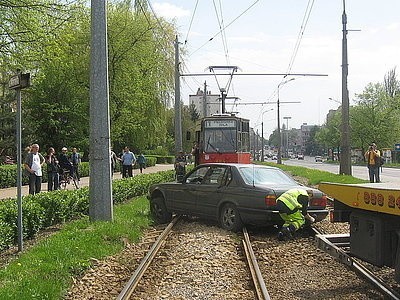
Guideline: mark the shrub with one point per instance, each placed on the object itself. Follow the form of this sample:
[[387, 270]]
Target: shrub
[[46, 209]]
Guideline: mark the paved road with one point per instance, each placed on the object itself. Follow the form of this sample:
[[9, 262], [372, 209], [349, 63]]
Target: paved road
[[388, 175], [12, 192]]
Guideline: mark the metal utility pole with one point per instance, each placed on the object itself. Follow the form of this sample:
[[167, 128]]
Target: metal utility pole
[[345, 151], [205, 100], [287, 135], [18, 82], [262, 133], [279, 159], [100, 186], [178, 118]]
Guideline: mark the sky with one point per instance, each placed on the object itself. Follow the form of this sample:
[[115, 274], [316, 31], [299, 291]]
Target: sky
[[263, 36]]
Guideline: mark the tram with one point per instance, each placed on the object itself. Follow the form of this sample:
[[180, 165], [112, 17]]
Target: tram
[[223, 138]]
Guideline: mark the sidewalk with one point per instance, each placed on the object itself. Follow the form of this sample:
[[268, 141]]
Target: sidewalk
[[12, 192]]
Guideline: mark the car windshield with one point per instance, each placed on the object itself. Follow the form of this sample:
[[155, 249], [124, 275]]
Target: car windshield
[[257, 175]]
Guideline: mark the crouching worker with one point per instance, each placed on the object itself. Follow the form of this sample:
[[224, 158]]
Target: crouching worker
[[292, 206]]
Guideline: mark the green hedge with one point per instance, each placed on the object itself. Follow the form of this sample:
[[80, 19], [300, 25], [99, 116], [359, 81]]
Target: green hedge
[[8, 173], [162, 159], [46, 209]]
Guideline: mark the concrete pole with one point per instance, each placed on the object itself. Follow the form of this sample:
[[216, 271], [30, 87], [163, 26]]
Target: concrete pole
[[100, 186], [178, 117], [279, 157], [345, 151]]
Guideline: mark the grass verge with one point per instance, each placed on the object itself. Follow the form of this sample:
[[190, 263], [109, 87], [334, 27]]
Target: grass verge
[[314, 177], [45, 271]]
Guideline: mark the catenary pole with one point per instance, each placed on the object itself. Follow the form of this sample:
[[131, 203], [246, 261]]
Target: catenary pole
[[100, 186], [345, 154], [205, 100], [178, 118]]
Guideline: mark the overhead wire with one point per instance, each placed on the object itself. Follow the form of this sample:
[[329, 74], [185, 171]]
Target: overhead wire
[[191, 21], [301, 34], [220, 31]]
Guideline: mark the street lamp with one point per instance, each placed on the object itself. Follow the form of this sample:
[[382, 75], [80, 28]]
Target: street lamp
[[287, 135], [262, 133], [279, 160]]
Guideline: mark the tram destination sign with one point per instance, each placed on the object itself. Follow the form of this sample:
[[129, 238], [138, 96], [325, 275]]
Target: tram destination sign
[[220, 124]]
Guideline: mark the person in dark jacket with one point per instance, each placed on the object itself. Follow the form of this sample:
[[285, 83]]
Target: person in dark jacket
[[53, 182], [64, 161], [141, 160], [75, 159], [180, 166]]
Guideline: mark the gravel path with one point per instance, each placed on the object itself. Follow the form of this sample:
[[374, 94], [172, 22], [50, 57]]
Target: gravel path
[[202, 261]]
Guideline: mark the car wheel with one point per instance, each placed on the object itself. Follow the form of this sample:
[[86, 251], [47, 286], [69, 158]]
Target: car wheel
[[229, 218], [159, 211]]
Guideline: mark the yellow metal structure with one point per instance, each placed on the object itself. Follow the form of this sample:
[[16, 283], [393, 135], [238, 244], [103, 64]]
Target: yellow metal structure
[[377, 197]]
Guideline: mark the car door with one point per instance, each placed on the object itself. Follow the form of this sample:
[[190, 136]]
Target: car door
[[210, 191], [184, 196]]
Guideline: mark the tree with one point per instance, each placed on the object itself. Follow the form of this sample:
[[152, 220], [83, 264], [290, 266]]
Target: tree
[[374, 119], [140, 76], [329, 135]]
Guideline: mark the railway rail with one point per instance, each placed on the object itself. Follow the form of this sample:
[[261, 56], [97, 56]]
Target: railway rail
[[337, 245], [134, 280], [201, 261], [258, 281]]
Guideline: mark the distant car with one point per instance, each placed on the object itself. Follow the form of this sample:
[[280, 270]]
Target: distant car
[[300, 156], [233, 194], [318, 158], [274, 157]]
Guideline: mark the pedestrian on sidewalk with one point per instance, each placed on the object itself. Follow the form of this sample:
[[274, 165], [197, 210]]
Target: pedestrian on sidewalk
[[128, 160], [33, 165], [75, 159], [141, 160], [53, 182]]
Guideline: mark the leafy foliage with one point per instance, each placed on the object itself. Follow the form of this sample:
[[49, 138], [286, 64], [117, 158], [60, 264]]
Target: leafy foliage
[[46, 209]]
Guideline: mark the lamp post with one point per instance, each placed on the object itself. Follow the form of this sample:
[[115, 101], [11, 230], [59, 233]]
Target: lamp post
[[287, 135], [279, 160], [262, 133]]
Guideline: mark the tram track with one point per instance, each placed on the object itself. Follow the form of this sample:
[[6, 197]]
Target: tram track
[[201, 261], [258, 281], [145, 263], [337, 245]]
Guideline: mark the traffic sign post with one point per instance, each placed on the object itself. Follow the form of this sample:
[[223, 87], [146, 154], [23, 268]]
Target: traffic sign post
[[18, 82]]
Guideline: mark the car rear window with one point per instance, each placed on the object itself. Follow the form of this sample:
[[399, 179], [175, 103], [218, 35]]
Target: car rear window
[[257, 175]]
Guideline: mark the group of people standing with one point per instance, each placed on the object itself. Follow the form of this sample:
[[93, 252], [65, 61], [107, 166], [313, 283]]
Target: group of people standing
[[34, 161], [128, 161]]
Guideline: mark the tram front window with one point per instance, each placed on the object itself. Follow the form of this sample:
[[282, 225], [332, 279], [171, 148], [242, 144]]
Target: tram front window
[[220, 140]]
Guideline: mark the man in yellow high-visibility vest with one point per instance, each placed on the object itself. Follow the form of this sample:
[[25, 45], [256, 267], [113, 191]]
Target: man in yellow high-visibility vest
[[292, 206]]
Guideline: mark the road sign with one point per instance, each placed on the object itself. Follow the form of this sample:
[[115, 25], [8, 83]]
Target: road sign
[[396, 147], [20, 81], [14, 82]]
